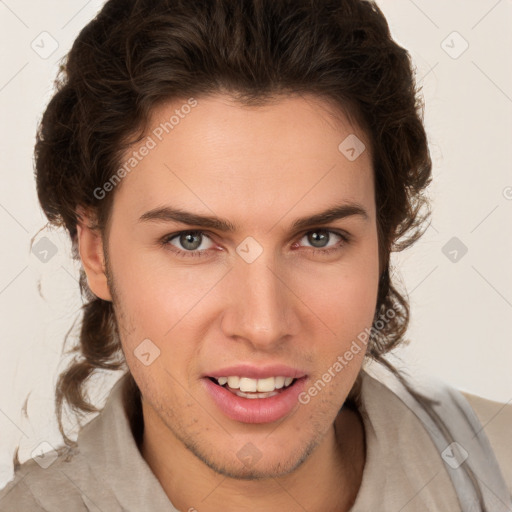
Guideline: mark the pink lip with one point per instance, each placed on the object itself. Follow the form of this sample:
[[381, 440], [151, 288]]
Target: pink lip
[[258, 372], [255, 410]]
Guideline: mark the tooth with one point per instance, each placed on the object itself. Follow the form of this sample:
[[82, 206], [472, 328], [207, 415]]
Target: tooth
[[251, 396], [279, 382], [234, 382], [247, 384], [255, 395], [267, 384]]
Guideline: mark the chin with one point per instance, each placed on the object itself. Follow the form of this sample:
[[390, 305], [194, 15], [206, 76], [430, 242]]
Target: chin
[[250, 463]]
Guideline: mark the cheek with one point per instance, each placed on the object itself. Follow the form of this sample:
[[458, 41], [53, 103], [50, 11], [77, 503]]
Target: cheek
[[343, 297], [155, 294], [347, 310], [166, 305], [353, 305]]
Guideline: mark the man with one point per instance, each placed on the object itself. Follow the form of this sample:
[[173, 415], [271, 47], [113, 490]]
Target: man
[[233, 176]]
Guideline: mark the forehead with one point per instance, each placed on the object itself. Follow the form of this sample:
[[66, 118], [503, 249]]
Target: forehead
[[212, 154]]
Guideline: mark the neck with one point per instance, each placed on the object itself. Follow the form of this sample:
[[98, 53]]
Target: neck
[[328, 481]]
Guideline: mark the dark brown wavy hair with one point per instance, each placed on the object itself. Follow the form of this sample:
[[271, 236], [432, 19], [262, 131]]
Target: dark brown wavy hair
[[136, 54]]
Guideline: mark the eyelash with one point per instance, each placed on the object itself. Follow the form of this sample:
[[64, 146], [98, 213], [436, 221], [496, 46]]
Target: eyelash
[[345, 239]]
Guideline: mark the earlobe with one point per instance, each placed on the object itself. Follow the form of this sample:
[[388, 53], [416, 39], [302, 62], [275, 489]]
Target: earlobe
[[90, 246]]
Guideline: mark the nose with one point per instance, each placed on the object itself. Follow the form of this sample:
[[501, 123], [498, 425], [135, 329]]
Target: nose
[[262, 307]]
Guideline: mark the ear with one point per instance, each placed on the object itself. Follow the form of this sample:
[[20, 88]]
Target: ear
[[90, 246]]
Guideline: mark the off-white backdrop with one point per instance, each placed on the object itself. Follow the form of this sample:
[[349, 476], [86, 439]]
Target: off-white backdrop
[[459, 276]]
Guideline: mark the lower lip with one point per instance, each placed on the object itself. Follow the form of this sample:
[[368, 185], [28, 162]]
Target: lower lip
[[255, 410]]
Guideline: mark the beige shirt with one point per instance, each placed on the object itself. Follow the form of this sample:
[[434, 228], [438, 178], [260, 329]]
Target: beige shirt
[[403, 471]]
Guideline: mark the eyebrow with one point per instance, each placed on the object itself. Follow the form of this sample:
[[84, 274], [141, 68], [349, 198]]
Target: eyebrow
[[168, 214]]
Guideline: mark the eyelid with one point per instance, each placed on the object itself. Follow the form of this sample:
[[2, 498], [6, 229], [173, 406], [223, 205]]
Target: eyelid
[[345, 239], [335, 231], [167, 238]]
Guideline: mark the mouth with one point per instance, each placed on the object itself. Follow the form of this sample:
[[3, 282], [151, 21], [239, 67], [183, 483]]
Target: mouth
[[255, 400]]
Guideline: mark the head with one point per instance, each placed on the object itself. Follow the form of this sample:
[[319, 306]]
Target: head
[[245, 113]]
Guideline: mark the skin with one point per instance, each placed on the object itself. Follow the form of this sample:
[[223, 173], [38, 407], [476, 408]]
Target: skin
[[261, 168]]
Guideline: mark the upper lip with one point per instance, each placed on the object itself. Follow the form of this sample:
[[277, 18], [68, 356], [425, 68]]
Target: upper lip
[[258, 372]]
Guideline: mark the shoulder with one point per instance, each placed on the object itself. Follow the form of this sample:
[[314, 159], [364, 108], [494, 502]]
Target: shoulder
[[16, 496], [482, 427], [496, 420], [42, 485]]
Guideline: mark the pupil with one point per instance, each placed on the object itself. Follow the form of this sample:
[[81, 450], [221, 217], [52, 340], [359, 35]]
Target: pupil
[[190, 241], [318, 238]]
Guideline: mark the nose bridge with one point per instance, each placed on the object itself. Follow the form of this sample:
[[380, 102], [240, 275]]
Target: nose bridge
[[262, 307]]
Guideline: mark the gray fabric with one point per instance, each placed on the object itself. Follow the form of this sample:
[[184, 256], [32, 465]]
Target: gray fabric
[[472, 449], [107, 473]]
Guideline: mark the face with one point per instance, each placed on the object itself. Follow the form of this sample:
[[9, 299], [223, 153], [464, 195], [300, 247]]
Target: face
[[221, 269]]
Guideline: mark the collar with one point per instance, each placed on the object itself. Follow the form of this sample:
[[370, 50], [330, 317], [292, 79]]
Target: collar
[[110, 448]]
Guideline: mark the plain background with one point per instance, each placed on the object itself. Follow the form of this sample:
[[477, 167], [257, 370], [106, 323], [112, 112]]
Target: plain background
[[459, 276]]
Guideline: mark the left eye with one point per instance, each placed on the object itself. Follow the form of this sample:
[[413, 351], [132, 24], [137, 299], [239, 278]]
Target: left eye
[[320, 238]]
